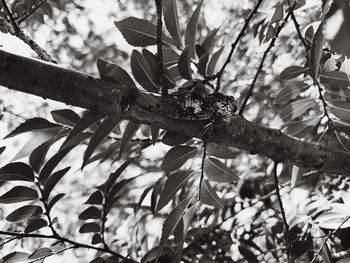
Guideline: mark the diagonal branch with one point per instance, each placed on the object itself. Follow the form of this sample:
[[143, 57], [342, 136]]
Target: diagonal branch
[[72, 87]]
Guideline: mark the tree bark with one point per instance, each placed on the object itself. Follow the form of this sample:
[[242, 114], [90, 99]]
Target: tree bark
[[74, 88]]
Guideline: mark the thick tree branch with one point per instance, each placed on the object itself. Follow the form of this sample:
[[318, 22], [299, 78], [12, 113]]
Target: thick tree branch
[[75, 88]]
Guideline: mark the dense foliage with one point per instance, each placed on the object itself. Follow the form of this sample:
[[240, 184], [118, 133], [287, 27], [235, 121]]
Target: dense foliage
[[133, 192]]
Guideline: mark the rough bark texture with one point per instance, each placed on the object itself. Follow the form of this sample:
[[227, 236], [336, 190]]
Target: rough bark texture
[[78, 89]]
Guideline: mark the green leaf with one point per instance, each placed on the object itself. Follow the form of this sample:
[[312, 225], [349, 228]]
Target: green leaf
[[15, 257], [177, 156], [35, 225], [35, 124], [335, 80], [191, 29], [213, 61], [316, 51], [209, 40], [24, 212], [142, 197], [41, 253], [65, 117], [173, 184], [96, 198], [296, 109], [278, 14], [341, 110], [219, 172], [301, 129], [2, 149], [16, 172], [142, 72], [248, 254], [85, 122], [155, 134], [100, 134], [116, 188], [54, 200], [292, 72], [89, 228], [130, 130], [139, 32], [173, 139], [184, 64], [170, 57], [91, 212], [52, 181], [202, 64], [96, 239], [220, 151], [291, 91], [209, 195], [171, 20], [171, 222], [114, 176], [112, 71], [19, 194]]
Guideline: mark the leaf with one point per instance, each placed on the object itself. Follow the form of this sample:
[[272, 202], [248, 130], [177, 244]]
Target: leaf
[[35, 225], [190, 34], [2, 149], [142, 197], [171, 222], [335, 80], [341, 110], [15, 257], [169, 83], [171, 20], [173, 184], [100, 134], [173, 139], [296, 109], [114, 176], [301, 129], [85, 122], [139, 32], [96, 198], [41, 253], [316, 52], [184, 64], [291, 91], [292, 72], [155, 134], [220, 151], [213, 61], [24, 212], [65, 117], [91, 212], [16, 172], [219, 172], [19, 194], [54, 200], [209, 195], [89, 228], [130, 130], [142, 72], [112, 71], [278, 14], [52, 181], [170, 57], [209, 40], [96, 239], [31, 125], [202, 64], [177, 156], [248, 254]]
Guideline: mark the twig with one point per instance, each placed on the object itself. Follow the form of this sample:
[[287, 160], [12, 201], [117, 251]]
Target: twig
[[271, 45], [279, 198], [159, 7], [63, 239], [297, 27], [324, 103], [202, 169], [9, 13], [31, 11], [235, 43], [328, 237]]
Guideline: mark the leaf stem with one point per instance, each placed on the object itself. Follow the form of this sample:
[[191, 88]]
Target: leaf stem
[[202, 168]]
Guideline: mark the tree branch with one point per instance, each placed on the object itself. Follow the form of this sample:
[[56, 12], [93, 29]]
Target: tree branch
[[72, 87]]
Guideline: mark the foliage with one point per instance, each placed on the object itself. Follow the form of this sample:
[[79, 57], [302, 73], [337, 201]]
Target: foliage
[[217, 204]]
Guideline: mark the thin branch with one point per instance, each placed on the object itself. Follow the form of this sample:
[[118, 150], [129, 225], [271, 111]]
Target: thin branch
[[279, 198], [9, 13], [271, 45], [297, 27], [202, 169], [31, 11], [159, 6], [328, 237], [324, 103], [235, 43], [63, 239]]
